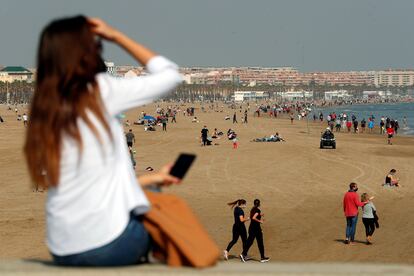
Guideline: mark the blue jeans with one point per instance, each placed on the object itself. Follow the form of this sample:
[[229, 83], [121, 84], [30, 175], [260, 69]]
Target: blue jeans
[[351, 223], [131, 247]]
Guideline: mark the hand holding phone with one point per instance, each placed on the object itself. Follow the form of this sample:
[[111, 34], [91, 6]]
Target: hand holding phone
[[182, 164]]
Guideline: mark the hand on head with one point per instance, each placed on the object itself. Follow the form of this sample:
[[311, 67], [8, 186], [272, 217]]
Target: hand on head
[[101, 29]]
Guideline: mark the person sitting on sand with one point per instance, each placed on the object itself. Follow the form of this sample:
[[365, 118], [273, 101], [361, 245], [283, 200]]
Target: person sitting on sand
[[195, 120], [391, 180], [217, 134], [149, 127], [231, 134]]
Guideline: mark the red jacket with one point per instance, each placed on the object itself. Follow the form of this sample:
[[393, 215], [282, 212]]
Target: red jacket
[[351, 204]]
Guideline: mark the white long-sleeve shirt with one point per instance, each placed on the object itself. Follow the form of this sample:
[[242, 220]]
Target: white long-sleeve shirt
[[98, 189]]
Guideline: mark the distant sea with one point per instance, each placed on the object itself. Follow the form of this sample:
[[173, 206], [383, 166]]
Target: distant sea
[[395, 111]]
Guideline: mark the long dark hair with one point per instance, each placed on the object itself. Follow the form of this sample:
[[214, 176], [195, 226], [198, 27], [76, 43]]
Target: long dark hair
[[237, 202], [256, 205], [68, 59]]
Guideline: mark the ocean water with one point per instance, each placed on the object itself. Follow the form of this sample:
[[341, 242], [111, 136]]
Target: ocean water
[[395, 111]]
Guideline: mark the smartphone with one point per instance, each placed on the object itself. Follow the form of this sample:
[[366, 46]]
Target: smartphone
[[182, 165]]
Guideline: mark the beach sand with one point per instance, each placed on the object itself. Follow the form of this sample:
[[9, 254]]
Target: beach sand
[[301, 187]]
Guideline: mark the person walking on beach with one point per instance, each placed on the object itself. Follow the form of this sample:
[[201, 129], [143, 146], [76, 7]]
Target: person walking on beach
[[382, 125], [204, 135], [239, 229], [348, 126], [255, 233], [235, 143], [363, 125], [173, 120], [234, 118], [371, 125], [245, 116], [369, 217], [291, 118], [351, 204], [355, 122], [390, 134], [75, 145], [25, 119], [164, 121], [130, 138]]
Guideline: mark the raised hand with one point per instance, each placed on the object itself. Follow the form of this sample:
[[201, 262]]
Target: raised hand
[[100, 28]]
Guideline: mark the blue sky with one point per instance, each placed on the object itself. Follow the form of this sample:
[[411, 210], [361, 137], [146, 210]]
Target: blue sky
[[312, 35]]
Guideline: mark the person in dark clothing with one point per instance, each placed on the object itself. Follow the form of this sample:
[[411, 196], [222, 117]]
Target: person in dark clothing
[[255, 232], [234, 118], [173, 120], [239, 229], [204, 135], [164, 121], [130, 138], [396, 126], [355, 122]]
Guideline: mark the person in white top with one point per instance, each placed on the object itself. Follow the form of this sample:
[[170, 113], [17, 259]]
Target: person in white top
[[76, 147], [25, 119]]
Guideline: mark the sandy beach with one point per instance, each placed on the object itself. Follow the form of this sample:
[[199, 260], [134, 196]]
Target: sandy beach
[[301, 187]]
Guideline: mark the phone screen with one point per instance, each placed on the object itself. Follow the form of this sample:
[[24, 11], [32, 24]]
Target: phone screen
[[182, 165]]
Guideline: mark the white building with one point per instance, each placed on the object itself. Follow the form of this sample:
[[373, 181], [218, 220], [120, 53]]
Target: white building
[[130, 74], [240, 96], [337, 95], [375, 94], [110, 68], [296, 95]]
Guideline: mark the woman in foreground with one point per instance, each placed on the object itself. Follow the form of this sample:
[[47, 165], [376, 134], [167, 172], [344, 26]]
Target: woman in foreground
[[255, 233], [239, 229], [76, 148]]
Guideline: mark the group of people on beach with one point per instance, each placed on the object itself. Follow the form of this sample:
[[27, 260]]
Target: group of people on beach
[[239, 229], [342, 121], [351, 204]]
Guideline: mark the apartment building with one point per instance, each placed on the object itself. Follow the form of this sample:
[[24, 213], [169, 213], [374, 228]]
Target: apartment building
[[394, 77]]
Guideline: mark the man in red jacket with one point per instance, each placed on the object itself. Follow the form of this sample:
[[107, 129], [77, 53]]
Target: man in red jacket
[[351, 204]]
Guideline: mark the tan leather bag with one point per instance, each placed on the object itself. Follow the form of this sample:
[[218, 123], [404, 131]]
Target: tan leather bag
[[179, 238]]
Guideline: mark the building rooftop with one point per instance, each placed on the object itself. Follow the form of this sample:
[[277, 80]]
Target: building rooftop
[[15, 69]]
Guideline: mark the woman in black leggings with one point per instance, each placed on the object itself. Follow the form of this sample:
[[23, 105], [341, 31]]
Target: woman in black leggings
[[255, 232], [239, 229]]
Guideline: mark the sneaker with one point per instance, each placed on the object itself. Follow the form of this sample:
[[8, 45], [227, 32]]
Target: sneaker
[[226, 255], [346, 241], [265, 260], [242, 258], [247, 258]]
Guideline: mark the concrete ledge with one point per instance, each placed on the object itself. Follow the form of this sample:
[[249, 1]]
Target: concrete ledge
[[36, 267]]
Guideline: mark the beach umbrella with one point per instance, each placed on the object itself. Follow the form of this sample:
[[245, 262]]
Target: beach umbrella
[[149, 118]]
